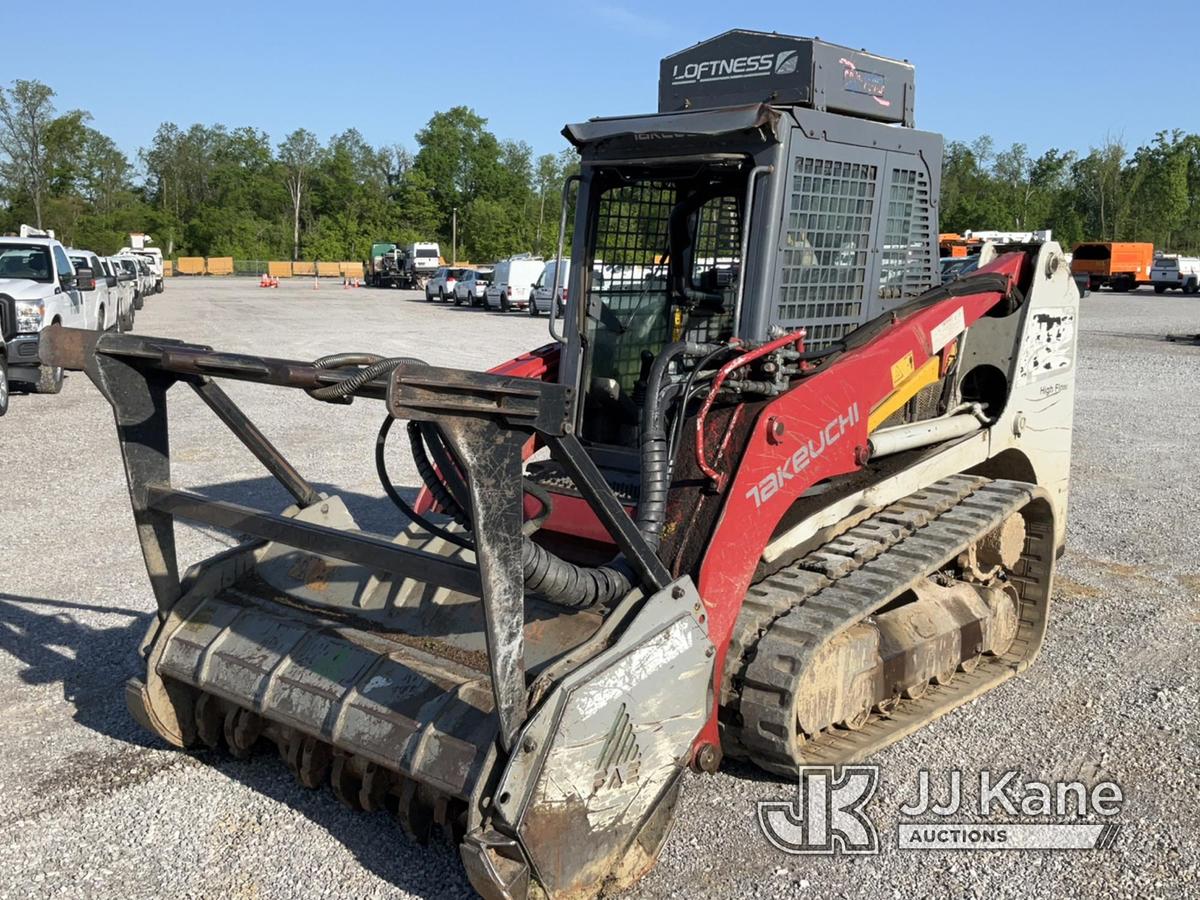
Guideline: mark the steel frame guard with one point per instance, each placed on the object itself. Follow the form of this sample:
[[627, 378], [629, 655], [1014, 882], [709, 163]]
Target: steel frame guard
[[486, 418]]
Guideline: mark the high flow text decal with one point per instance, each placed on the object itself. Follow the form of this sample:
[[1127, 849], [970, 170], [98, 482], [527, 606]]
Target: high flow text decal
[[804, 455]]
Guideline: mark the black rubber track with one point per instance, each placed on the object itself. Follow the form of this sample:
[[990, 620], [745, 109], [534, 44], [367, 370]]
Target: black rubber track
[[789, 616]]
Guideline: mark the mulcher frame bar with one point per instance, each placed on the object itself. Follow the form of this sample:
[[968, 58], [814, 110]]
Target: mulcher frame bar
[[486, 419]]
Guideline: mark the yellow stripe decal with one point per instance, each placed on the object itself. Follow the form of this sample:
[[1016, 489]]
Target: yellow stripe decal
[[905, 391]]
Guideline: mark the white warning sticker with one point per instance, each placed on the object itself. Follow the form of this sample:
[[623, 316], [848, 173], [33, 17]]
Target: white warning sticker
[[950, 328]]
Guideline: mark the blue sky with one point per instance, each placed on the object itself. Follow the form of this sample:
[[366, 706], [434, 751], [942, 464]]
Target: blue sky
[[1045, 74]]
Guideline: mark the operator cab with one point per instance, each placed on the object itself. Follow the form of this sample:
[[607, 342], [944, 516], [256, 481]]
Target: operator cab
[[779, 186], [671, 244]]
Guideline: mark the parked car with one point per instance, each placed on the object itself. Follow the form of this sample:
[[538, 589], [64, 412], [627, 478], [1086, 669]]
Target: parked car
[[472, 286], [539, 302], [955, 267], [441, 285], [512, 282], [124, 288], [152, 256], [39, 287], [1175, 272], [133, 276], [105, 312]]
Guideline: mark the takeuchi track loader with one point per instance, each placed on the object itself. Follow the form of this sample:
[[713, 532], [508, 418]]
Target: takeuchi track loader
[[796, 499]]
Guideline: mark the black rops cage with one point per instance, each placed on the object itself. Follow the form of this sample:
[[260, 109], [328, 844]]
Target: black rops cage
[[798, 156]]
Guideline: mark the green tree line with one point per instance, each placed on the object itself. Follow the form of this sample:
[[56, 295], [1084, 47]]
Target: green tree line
[[208, 190], [1107, 194], [215, 191]]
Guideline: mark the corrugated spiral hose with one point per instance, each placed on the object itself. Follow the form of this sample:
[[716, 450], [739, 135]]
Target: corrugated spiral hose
[[559, 581], [655, 446]]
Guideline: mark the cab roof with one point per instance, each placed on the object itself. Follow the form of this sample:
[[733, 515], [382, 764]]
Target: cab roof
[[35, 241]]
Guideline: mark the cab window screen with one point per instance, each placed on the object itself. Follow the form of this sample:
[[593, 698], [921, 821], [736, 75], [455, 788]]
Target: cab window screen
[[632, 240], [665, 263]]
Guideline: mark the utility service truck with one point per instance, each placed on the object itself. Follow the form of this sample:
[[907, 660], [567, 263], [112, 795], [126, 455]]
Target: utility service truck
[[408, 267]]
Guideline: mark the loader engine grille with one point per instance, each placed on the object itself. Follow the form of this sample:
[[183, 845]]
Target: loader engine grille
[[826, 239], [908, 264]]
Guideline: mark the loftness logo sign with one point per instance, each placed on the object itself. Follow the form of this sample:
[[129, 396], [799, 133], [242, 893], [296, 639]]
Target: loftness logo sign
[[753, 66]]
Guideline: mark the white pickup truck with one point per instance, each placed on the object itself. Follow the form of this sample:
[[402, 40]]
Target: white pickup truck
[[153, 258], [40, 287], [1170, 272]]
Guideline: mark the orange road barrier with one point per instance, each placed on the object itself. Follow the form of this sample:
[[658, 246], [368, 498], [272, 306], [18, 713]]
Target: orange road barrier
[[220, 265]]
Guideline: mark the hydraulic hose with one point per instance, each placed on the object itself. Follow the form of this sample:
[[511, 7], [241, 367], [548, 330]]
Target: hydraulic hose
[[687, 395], [448, 469], [567, 584], [655, 458], [439, 489], [394, 495], [372, 367], [559, 581], [548, 575]]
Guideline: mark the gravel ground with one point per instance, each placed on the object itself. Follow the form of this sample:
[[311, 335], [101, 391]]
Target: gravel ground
[[91, 806]]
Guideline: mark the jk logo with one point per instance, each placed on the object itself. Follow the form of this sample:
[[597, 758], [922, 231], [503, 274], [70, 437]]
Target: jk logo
[[827, 815]]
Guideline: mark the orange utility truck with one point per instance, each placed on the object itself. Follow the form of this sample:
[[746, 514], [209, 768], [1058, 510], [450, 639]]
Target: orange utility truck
[[1120, 265]]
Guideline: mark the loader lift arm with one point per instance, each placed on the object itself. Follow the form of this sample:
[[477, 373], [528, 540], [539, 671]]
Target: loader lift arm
[[485, 418]]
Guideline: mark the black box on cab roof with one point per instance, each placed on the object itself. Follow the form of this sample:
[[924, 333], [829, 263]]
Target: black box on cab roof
[[741, 67]]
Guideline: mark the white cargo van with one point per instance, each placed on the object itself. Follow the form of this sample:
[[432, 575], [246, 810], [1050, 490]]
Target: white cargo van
[[512, 282], [544, 286]]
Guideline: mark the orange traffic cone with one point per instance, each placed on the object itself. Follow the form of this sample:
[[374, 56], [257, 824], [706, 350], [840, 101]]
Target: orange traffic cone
[[265, 281]]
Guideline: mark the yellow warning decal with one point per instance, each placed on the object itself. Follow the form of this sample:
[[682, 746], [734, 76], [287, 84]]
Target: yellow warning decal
[[902, 368], [903, 392]]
